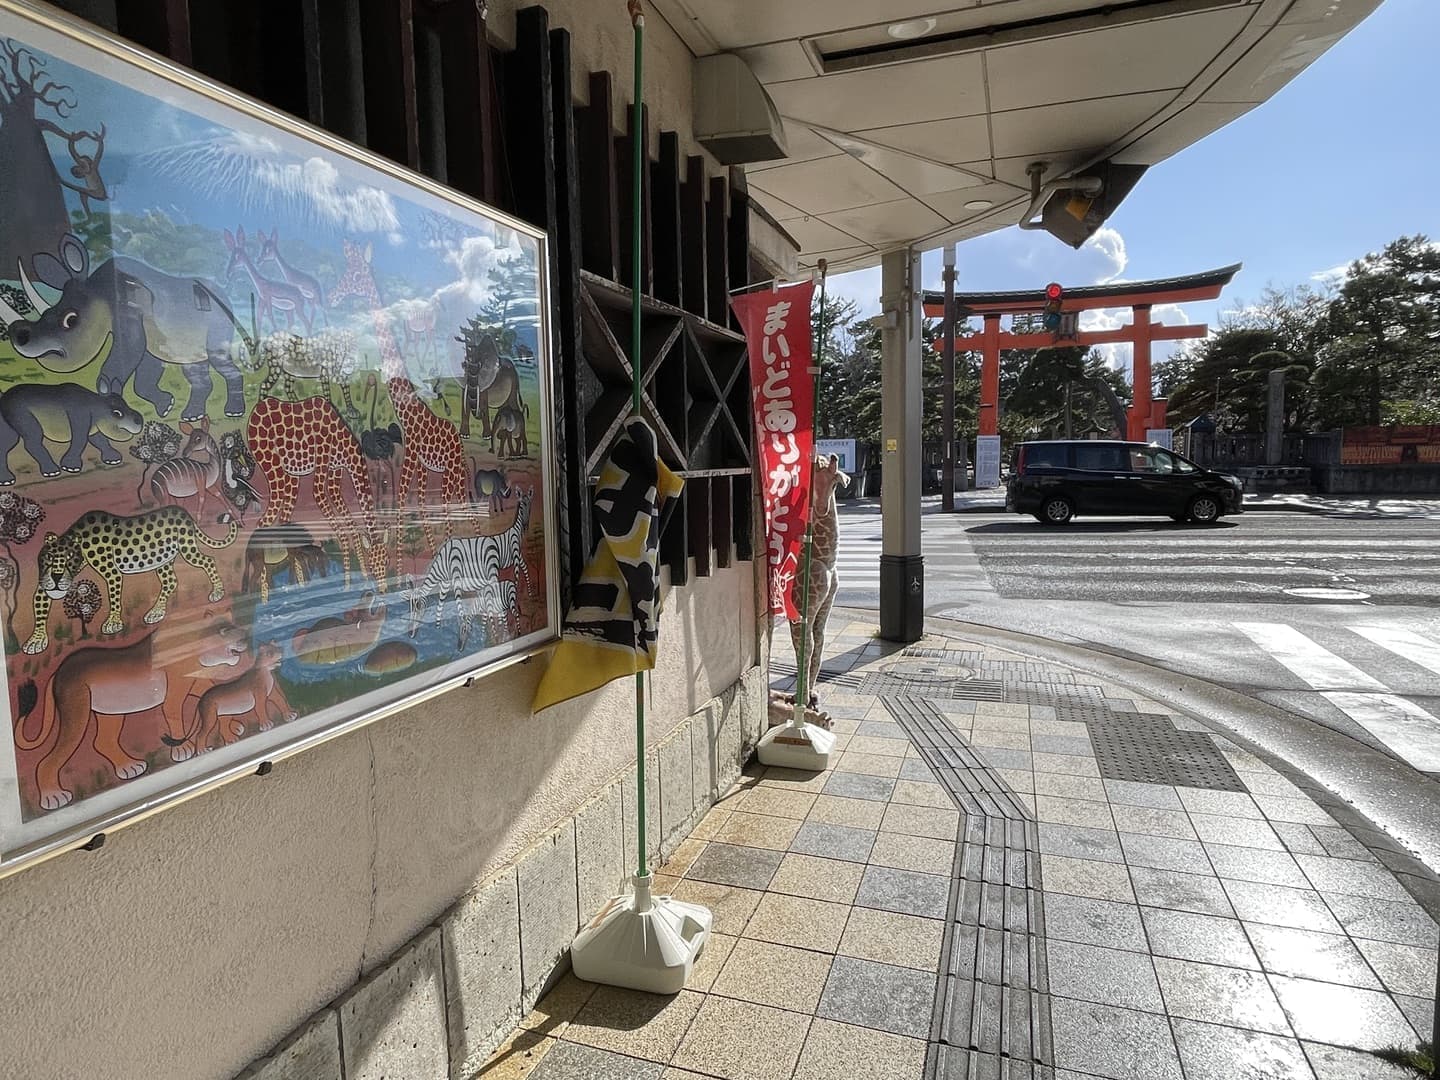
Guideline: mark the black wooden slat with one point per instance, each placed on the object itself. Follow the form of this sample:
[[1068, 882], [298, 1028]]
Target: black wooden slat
[[722, 534], [625, 160], [675, 540], [335, 73], [575, 520], [694, 264], [600, 238], [430, 100], [665, 219], [739, 246], [698, 496], [387, 36], [530, 120], [470, 128], [162, 26], [717, 271], [743, 508]]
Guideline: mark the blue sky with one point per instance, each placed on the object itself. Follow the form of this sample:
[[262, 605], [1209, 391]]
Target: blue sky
[[1339, 162]]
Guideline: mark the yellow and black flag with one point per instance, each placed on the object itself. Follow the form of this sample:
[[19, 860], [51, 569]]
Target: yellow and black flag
[[612, 627]]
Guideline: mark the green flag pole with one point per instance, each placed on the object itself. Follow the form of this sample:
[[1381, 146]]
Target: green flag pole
[[637, 192], [639, 940]]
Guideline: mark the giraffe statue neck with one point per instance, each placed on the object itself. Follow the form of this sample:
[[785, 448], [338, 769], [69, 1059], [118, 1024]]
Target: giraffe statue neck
[[826, 528]]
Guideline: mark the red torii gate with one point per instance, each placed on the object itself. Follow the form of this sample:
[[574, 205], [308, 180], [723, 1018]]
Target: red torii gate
[[1139, 296]]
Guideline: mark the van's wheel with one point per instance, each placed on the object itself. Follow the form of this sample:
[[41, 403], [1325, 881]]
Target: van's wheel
[[1204, 510], [1057, 510]]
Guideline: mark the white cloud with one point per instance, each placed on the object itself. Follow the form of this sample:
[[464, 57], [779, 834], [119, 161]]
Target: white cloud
[[254, 173], [1109, 244], [1332, 278]]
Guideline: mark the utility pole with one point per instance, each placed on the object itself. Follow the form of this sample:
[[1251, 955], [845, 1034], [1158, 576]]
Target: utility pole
[[1069, 425], [947, 400]]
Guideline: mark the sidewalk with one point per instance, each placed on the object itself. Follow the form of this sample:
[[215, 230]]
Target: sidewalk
[[1012, 870], [992, 501]]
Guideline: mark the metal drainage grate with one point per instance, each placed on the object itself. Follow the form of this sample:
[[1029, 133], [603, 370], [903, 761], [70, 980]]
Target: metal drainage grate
[[922, 671], [1152, 753], [890, 685]]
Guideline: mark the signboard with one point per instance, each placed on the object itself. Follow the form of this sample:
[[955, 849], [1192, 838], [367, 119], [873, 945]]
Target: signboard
[[275, 429], [844, 449], [777, 332], [1161, 437], [987, 461], [1399, 444]]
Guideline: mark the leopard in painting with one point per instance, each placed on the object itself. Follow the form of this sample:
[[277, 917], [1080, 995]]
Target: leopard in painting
[[115, 546]]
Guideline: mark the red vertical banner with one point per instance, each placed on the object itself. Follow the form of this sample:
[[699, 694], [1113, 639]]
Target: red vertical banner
[[777, 331]]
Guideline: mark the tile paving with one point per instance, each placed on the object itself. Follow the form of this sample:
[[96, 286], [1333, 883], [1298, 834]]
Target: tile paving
[[970, 892]]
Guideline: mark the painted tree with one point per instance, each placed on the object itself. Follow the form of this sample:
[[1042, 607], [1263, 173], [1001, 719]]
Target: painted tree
[[32, 187]]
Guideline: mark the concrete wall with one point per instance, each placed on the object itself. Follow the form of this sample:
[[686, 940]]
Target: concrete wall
[[1379, 480]]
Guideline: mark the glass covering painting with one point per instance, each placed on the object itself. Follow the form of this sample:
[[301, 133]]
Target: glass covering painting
[[273, 435]]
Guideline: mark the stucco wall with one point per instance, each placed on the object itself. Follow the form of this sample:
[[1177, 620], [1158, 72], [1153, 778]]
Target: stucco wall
[[193, 941]]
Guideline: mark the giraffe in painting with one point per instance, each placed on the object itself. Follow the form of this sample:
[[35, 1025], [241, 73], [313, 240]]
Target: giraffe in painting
[[824, 581], [291, 439], [431, 444]]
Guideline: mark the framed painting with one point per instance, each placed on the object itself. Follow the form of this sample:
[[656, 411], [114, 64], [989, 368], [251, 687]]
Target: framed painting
[[275, 424]]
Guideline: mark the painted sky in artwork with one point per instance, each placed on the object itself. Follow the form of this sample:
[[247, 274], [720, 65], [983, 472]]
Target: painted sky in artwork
[[164, 164]]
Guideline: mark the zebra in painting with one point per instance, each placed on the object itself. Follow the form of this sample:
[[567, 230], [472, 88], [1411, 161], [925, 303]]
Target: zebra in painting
[[512, 540], [498, 608], [469, 569]]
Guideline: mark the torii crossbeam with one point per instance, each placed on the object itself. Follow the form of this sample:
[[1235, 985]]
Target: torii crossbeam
[[1140, 296]]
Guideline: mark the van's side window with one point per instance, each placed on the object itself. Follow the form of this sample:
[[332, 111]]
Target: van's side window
[[1045, 456], [1102, 458]]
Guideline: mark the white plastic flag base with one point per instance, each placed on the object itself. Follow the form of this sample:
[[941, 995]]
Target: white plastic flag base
[[797, 746], [642, 942]]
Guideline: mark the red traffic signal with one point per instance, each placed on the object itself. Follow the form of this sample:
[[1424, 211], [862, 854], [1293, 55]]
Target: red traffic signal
[[1053, 295]]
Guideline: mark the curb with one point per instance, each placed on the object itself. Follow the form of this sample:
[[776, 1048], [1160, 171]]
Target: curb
[[1250, 508]]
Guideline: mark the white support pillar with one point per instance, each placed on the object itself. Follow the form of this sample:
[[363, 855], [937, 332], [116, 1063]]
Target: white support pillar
[[902, 567]]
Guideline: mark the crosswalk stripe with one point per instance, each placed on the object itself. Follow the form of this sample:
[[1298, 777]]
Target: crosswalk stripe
[[1407, 729], [1314, 663], [1405, 644], [1401, 725]]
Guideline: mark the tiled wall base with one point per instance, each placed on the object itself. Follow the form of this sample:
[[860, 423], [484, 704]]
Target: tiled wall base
[[441, 1004]]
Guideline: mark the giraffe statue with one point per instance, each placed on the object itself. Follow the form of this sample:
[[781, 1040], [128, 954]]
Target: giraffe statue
[[430, 444], [824, 583], [291, 439]]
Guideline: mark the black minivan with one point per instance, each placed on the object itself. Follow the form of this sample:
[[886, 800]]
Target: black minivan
[[1055, 480]]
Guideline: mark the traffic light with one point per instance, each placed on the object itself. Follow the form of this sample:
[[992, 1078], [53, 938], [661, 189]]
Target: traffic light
[[1054, 295]]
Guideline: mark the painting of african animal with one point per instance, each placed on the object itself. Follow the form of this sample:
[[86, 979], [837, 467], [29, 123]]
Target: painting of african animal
[[256, 379]]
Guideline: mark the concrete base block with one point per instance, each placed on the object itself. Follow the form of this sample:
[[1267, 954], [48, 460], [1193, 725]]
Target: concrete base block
[[677, 790], [394, 1023], [312, 1053], [729, 740], [600, 850], [549, 911], [754, 696], [482, 971], [703, 771]]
